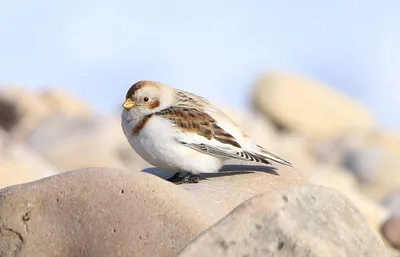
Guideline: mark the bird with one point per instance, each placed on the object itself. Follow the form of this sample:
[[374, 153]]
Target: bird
[[181, 132]]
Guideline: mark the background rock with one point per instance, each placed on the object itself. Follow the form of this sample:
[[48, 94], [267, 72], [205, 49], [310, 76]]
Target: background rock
[[344, 182], [62, 101], [297, 103], [391, 231], [377, 169], [303, 221], [20, 164], [72, 143], [9, 116], [32, 107], [392, 203], [100, 212]]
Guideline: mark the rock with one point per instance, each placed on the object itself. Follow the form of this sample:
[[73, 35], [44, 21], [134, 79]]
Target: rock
[[20, 164], [9, 116], [374, 166], [240, 181], [290, 146], [343, 181], [376, 169], [297, 103], [387, 140], [391, 231], [72, 143], [100, 212], [254, 124], [61, 101], [393, 252], [392, 203], [302, 221], [35, 107], [28, 107]]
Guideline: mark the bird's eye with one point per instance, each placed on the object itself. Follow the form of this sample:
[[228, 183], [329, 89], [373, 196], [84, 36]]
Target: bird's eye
[[146, 99]]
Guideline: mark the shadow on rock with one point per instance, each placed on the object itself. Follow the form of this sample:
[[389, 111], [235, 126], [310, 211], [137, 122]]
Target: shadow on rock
[[226, 170]]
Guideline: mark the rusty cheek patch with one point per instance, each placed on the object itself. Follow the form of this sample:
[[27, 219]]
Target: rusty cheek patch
[[154, 104]]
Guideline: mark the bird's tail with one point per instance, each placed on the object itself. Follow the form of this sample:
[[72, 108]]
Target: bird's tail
[[262, 153]]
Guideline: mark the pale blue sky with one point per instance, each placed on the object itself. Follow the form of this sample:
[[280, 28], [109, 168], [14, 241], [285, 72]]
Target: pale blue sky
[[98, 48]]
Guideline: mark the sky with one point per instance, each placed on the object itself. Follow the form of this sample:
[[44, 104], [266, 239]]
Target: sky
[[96, 49]]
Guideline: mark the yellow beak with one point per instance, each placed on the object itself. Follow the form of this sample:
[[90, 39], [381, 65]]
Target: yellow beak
[[128, 104]]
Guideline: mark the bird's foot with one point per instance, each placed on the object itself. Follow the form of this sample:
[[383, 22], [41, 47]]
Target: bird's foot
[[188, 178], [175, 178]]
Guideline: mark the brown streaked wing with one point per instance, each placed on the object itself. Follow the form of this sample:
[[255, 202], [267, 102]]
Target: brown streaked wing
[[196, 121]]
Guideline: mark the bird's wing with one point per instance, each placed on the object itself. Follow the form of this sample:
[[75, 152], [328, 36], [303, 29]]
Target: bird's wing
[[200, 131]]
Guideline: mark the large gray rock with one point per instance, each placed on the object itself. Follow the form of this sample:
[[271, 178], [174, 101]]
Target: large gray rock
[[100, 212], [304, 221]]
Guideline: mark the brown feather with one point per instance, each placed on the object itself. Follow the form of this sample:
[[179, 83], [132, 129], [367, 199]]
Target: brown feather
[[193, 120], [131, 91]]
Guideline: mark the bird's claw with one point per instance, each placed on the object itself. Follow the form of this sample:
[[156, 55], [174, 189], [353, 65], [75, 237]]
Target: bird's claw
[[188, 178]]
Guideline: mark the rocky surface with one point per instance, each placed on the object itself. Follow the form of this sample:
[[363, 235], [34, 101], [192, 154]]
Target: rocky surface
[[238, 182], [100, 212], [304, 221], [294, 102]]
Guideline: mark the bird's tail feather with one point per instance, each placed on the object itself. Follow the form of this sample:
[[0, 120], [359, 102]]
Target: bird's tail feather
[[264, 154]]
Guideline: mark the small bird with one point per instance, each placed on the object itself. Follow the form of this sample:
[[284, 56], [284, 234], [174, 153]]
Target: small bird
[[181, 132]]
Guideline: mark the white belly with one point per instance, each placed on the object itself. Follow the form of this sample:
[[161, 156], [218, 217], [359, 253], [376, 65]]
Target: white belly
[[155, 143]]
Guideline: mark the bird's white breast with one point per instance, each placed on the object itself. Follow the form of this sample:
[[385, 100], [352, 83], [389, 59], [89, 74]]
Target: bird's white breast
[[156, 144]]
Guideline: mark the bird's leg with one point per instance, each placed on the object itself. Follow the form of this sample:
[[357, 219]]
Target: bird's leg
[[175, 178], [188, 178], [191, 178]]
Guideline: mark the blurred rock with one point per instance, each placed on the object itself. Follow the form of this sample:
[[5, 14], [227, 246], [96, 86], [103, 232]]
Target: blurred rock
[[300, 104], [393, 252], [29, 108], [297, 150], [20, 164], [33, 107], [387, 140], [391, 231], [62, 101], [392, 203], [71, 143], [255, 125], [343, 181], [365, 163], [9, 116], [377, 169], [303, 221], [100, 212], [290, 146], [375, 166]]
